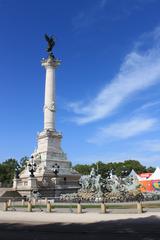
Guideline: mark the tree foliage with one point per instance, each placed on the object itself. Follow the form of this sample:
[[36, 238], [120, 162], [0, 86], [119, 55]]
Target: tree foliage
[[116, 167], [7, 169], [83, 169], [23, 162]]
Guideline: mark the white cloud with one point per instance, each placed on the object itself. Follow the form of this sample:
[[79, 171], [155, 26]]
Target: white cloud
[[139, 71], [150, 104], [146, 106], [152, 145], [123, 130], [86, 19]]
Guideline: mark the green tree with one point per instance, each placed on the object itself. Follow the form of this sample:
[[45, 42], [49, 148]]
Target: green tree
[[136, 165], [7, 170], [101, 168], [83, 169], [150, 169], [23, 162], [117, 167]]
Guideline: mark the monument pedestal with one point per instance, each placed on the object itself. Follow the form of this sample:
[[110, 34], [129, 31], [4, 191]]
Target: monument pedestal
[[32, 183]]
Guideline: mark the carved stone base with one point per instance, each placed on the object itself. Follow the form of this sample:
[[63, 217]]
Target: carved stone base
[[47, 154]]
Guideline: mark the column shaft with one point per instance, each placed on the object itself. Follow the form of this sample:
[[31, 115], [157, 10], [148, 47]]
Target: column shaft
[[49, 103]]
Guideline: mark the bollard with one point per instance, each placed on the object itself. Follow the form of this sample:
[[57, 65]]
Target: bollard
[[46, 200], [23, 202], [139, 207], [34, 201], [79, 208], [29, 206], [103, 208], [9, 203], [48, 206], [5, 206]]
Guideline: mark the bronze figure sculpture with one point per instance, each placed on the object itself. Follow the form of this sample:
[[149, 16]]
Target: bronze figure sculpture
[[51, 42]]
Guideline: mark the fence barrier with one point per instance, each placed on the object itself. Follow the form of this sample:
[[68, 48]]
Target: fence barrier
[[47, 204], [139, 207], [9, 203], [5, 206], [49, 209], [79, 208], [29, 206], [103, 208]]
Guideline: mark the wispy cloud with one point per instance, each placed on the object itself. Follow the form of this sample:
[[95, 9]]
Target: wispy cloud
[[152, 145], [148, 105], [139, 71], [87, 18], [98, 10], [123, 130]]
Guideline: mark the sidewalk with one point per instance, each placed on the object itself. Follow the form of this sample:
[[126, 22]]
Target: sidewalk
[[86, 226], [42, 217]]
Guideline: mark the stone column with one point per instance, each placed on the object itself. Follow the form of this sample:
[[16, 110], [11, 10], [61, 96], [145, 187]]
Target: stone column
[[50, 65], [15, 183]]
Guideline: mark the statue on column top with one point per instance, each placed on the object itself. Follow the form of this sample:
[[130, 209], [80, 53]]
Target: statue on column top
[[51, 42]]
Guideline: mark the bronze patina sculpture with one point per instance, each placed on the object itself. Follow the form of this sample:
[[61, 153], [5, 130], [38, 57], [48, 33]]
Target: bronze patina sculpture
[[51, 42]]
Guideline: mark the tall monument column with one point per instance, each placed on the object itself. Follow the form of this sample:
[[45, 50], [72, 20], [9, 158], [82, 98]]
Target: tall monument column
[[48, 154], [50, 65]]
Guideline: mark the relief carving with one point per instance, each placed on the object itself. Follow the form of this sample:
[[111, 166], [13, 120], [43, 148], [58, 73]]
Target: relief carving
[[50, 107]]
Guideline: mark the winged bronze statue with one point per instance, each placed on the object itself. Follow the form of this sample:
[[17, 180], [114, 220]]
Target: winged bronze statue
[[51, 42]]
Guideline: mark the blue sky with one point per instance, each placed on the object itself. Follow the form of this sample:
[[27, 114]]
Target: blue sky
[[108, 97]]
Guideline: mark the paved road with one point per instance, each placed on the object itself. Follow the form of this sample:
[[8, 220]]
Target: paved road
[[119, 229], [43, 226]]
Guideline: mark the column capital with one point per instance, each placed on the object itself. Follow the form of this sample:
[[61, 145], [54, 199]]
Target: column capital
[[50, 62]]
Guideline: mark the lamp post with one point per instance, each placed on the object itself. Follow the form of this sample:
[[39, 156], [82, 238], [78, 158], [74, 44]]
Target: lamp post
[[55, 169], [97, 170], [32, 167], [124, 172], [17, 171]]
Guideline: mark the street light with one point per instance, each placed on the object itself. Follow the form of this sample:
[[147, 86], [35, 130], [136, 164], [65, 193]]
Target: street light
[[124, 172], [56, 169], [17, 171], [32, 166]]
